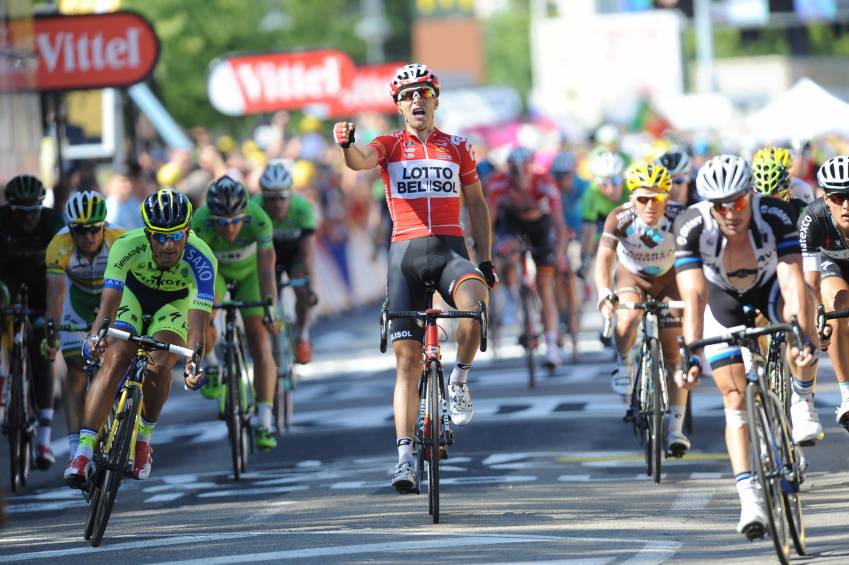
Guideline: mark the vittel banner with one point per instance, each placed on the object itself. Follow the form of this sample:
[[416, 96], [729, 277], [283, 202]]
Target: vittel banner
[[94, 51], [266, 82], [369, 92]]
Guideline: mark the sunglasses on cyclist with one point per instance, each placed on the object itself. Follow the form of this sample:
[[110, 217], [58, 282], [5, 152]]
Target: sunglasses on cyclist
[[422, 91], [735, 206], [218, 220], [26, 209], [680, 180], [276, 195], [88, 229], [164, 238], [837, 198], [656, 198]]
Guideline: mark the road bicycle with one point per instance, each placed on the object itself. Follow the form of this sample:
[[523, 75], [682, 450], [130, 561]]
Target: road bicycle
[[433, 435], [825, 331], [20, 420], [115, 445], [649, 396], [237, 403], [776, 461], [283, 349]]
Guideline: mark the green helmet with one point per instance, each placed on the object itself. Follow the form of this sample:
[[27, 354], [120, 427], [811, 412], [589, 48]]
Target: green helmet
[[86, 207], [25, 190], [771, 177]]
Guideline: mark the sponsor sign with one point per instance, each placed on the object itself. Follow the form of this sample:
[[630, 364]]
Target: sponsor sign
[[94, 51], [267, 82], [369, 92]]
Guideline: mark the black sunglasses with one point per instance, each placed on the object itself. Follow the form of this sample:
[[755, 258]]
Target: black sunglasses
[[82, 230]]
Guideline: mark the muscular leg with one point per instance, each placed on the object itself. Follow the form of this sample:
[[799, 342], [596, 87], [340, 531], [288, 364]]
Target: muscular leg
[[731, 382], [259, 345], [75, 385], [835, 296], [466, 297], [671, 356], [408, 363], [101, 392], [625, 333], [158, 383]]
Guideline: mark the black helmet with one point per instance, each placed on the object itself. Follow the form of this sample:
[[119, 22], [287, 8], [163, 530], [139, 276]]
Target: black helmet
[[166, 211], [25, 190], [226, 197]]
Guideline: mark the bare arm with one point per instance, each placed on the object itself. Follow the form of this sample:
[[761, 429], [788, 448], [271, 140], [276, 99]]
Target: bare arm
[[198, 323], [603, 265], [267, 277], [308, 253], [588, 230], [110, 299], [795, 294], [55, 297], [360, 159], [694, 292], [560, 235], [481, 227]]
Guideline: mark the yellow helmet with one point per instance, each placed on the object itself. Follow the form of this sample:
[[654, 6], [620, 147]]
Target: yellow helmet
[[778, 154], [648, 175], [302, 173]]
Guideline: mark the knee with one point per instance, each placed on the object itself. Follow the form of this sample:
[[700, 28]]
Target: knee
[[407, 362], [733, 400], [735, 419]]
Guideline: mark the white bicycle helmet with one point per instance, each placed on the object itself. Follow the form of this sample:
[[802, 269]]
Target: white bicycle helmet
[[277, 179], [677, 161], [833, 175], [724, 178], [606, 164]]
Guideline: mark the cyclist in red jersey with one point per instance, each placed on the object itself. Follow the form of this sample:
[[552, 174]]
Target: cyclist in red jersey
[[526, 202], [425, 173]]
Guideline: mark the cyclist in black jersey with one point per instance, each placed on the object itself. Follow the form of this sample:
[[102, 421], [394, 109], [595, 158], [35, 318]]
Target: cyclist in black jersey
[[26, 228], [735, 249], [824, 236]]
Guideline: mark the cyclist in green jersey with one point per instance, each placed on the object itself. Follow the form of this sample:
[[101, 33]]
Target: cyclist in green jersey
[[239, 233], [606, 192], [293, 219], [163, 270]]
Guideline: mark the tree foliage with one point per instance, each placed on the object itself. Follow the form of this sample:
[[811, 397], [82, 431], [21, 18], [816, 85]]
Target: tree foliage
[[508, 49], [195, 32]]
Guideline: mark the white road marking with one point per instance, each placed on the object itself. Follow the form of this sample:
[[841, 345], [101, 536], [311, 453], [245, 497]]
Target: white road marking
[[654, 552], [692, 500], [574, 478], [164, 497], [386, 548], [45, 506], [705, 476], [252, 491]]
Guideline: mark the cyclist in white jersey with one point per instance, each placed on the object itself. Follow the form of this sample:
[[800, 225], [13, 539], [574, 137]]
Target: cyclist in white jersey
[[639, 233], [735, 249]]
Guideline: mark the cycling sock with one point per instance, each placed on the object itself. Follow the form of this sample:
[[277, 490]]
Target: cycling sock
[[211, 358], [460, 374], [45, 419], [264, 414], [304, 334], [405, 449], [551, 341], [844, 391], [802, 388], [86, 445], [73, 442], [145, 430], [675, 419]]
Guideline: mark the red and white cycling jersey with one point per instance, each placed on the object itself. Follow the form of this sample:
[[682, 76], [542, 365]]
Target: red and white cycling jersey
[[423, 181], [539, 198]]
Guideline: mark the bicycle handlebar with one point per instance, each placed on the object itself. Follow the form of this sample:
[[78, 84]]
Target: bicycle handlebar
[[823, 329], [652, 305], [150, 344], [433, 314], [738, 336]]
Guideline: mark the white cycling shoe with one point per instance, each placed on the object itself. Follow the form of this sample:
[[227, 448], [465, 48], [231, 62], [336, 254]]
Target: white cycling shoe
[[622, 379], [806, 427], [404, 477], [460, 403], [676, 444], [753, 517], [842, 415], [552, 358]]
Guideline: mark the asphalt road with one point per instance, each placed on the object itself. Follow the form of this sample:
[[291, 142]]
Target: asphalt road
[[549, 475]]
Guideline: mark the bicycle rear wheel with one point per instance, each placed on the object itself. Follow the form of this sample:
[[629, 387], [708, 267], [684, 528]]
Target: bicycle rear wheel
[[764, 447], [116, 462], [245, 404], [530, 337], [656, 410], [14, 431], [433, 408], [791, 477]]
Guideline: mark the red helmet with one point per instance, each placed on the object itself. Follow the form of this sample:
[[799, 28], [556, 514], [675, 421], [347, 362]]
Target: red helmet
[[412, 74]]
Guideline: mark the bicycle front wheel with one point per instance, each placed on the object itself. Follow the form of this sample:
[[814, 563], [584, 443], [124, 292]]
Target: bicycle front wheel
[[433, 408], [116, 462], [656, 410], [530, 337], [232, 408], [791, 476], [764, 447]]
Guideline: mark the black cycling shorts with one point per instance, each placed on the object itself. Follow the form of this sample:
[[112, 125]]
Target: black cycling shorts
[[540, 236], [440, 260], [833, 268]]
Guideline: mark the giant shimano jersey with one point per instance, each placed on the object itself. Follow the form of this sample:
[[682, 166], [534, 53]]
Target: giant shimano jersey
[[22, 255], [642, 249], [64, 258], [131, 262], [699, 243], [818, 236], [236, 259], [423, 181]]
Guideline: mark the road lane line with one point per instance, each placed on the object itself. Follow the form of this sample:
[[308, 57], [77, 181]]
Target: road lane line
[[654, 552], [251, 491], [164, 497], [438, 542], [692, 500]]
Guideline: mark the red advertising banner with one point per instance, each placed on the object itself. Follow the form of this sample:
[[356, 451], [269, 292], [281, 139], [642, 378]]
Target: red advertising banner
[[267, 82], [94, 51], [369, 92]]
